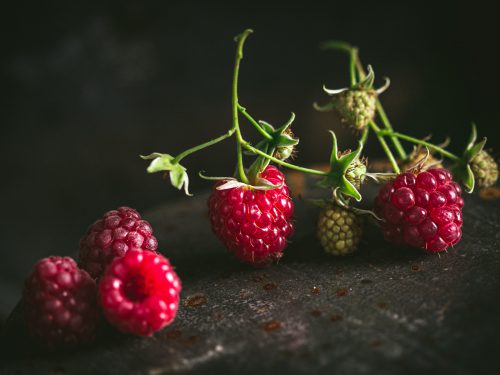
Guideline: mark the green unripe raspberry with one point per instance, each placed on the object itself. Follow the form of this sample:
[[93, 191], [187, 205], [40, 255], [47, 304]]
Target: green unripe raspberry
[[339, 230], [356, 172], [485, 169], [356, 107], [285, 152]]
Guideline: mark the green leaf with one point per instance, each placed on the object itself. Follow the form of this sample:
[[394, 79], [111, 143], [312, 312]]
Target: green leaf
[[160, 163], [350, 157], [285, 140], [472, 137], [165, 163], [348, 189], [474, 150], [333, 155], [469, 180], [267, 127]]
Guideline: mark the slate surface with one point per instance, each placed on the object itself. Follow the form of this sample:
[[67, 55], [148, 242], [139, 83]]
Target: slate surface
[[385, 310]]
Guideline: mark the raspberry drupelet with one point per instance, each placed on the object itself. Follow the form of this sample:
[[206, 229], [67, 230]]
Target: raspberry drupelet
[[60, 303], [422, 210], [112, 236], [139, 293], [253, 224]]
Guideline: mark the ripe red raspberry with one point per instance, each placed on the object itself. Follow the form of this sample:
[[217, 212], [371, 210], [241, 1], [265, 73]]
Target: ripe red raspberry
[[253, 224], [60, 302], [422, 210], [139, 292], [113, 235]]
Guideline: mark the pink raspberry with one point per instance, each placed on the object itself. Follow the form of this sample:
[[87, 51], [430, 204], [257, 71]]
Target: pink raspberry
[[253, 224], [112, 236], [60, 302], [139, 293], [422, 210]]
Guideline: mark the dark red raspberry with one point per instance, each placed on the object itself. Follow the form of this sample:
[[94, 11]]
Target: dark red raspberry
[[113, 235], [253, 224], [422, 210], [139, 293], [60, 302]]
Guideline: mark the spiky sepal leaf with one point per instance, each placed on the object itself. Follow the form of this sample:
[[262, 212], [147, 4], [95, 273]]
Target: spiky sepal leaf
[[339, 177]]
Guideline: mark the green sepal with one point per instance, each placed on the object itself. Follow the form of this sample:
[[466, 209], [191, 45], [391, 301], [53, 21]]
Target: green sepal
[[166, 163], [463, 172], [474, 150], [335, 177]]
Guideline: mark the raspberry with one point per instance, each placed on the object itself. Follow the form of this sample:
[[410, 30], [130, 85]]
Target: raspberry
[[112, 236], [485, 169], [422, 210], [253, 224], [139, 293], [339, 230], [60, 303]]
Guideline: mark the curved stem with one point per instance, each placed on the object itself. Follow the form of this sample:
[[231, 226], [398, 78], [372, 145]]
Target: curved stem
[[240, 39], [387, 124], [255, 124], [386, 148], [189, 151], [280, 162], [441, 150]]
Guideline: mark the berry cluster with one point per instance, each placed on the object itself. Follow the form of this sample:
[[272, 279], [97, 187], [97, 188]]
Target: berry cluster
[[121, 276], [418, 205]]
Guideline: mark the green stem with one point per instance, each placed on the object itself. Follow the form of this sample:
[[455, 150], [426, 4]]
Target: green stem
[[236, 127], [381, 112], [364, 136], [431, 146], [255, 124], [189, 151], [352, 65], [386, 148], [280, 162]]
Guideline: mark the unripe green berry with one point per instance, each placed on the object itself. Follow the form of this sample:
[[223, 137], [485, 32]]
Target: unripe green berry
[[485, 169], [356, 107], [339, 230]]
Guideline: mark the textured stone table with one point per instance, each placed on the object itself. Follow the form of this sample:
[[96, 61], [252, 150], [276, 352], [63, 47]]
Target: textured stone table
[[385, 310]]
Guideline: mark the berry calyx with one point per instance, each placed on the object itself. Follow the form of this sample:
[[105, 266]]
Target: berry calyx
[[485, 169], [139, 293], [117, 232], [339, 230], [60, 303], [422, 159], [253, 224], [422, 210]]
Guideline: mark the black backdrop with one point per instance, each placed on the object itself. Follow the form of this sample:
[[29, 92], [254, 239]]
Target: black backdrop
[[86, 88]]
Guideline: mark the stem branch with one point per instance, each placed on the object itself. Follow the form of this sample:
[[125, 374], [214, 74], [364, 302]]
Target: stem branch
[[386, 148], [255, 124], [189, 151], [431, 146]]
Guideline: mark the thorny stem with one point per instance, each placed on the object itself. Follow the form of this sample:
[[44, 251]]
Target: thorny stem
[[255, 124], [236, 127], [189, 151], [386, 148], [441, 150]]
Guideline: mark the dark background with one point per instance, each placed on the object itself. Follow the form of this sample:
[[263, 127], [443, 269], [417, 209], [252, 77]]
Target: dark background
[[86, 88]]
